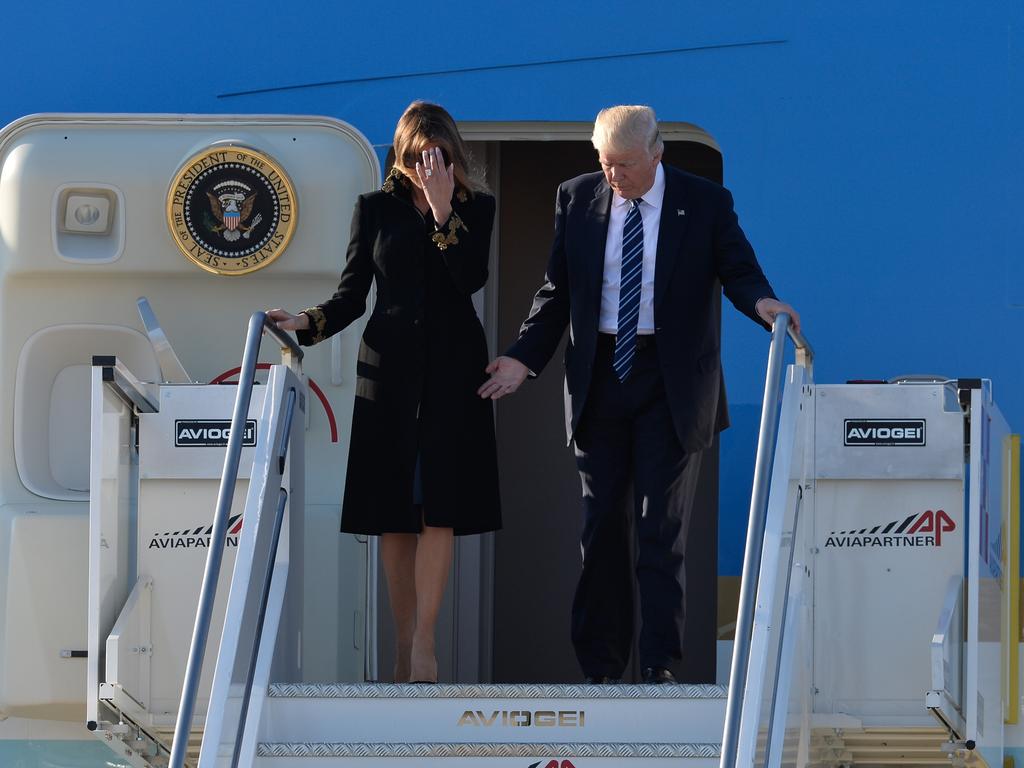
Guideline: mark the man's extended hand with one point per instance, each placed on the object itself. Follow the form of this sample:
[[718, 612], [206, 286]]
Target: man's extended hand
[[507, 374], [767, 309]]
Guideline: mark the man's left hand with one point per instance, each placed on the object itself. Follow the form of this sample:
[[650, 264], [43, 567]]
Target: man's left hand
[[767, 309], [507, 374]]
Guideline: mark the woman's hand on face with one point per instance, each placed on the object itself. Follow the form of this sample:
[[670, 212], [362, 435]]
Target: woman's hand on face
[[286, 321], [437, 183]]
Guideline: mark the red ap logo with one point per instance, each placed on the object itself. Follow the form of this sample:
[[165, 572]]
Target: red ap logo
[[937, 522], [553, 764]]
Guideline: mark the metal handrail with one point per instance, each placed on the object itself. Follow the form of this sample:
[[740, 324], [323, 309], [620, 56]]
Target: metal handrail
[[275, 538], [945, 699], [292, 355], [755, 526], [773, 741], [140, 395], [288, 344]]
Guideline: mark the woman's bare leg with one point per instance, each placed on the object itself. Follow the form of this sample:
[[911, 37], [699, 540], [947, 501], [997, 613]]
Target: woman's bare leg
[[433, 562], [398, 553]]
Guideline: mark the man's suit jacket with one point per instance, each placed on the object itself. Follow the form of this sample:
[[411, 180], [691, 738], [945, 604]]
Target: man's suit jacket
[[700, 249]]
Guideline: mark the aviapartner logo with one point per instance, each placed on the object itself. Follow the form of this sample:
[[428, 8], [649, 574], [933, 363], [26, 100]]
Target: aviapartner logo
[[197, 537], [922, 529], [552, 764]]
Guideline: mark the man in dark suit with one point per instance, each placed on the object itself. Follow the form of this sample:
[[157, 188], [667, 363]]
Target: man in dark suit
[[639, 254]]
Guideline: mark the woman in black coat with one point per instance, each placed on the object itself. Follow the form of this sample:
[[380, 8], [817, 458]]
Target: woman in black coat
[[422, 465]]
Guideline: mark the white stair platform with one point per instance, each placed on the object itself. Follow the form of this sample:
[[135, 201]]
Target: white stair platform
[[529, 726]]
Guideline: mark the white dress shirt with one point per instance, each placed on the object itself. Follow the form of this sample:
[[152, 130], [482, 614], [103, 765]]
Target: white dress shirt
[[650, 213]]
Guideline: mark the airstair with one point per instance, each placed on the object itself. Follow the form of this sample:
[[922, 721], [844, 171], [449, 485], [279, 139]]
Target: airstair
[[877, 622]]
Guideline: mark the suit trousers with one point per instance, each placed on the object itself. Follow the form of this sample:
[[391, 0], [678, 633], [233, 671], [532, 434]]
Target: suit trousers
[[626, 439]]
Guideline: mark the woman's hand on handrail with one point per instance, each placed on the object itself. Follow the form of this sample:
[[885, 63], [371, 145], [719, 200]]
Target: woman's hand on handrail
[[286, 321], [767, 309]]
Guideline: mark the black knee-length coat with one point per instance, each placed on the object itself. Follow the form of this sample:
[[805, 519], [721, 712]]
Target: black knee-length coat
[[421, 360]]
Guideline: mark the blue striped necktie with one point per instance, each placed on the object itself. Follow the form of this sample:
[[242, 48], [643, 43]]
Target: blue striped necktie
[[629, 290]]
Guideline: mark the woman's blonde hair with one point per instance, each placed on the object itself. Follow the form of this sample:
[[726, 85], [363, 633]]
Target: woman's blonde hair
[[423, 124]]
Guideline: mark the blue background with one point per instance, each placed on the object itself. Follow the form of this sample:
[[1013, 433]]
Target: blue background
[[874, 148]]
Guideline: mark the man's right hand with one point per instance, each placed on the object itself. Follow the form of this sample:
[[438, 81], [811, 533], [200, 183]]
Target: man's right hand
[[286, 321], [507, 374]]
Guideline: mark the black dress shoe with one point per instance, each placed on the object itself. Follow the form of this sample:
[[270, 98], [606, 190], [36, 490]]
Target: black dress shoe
[[598, 680], [657, 676]]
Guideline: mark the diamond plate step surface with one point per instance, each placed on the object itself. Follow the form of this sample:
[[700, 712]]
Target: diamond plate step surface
[[493, 691], [524, 755]]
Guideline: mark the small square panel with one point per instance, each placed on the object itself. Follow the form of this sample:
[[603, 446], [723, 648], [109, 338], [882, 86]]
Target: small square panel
[[87, 214]]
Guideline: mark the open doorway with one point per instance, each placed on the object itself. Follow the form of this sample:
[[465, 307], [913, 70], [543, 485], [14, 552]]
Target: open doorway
[[505, 615], [536, 556]]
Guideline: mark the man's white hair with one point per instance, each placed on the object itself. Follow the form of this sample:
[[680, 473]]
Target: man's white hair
[[627, 127]]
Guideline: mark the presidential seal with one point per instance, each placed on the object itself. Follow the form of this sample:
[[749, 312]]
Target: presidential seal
[[231, 210]]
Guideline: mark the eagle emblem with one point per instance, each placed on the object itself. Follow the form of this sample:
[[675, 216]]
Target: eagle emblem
[[232, 210]]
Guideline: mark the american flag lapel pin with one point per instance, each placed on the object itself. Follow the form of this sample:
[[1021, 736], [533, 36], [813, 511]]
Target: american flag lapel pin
[[680, 212]]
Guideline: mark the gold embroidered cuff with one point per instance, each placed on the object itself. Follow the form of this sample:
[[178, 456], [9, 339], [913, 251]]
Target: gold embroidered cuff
[[443, 240], [318, 322]]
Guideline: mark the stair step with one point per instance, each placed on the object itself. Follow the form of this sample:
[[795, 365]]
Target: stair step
[[889, 746], [477, 714], [522, 755], [493, 691]]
